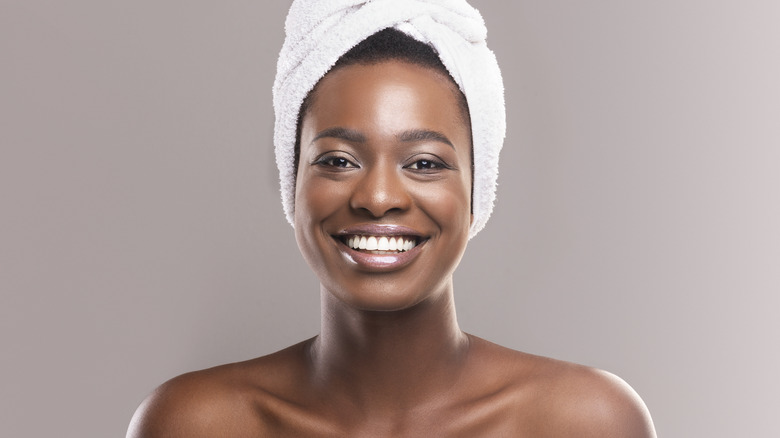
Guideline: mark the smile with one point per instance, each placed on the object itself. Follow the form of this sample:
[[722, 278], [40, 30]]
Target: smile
[[380, 244], [379, 247]]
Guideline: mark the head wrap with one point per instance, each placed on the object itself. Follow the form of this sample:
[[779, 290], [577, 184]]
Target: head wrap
[[319, 32]]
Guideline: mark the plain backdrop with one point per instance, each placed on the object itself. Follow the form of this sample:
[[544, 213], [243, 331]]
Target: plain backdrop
[[636, 228]]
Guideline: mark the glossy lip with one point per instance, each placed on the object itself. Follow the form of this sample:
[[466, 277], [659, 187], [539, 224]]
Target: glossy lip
[[379, 262]]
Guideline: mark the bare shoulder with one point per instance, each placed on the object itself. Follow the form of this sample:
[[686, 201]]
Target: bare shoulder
[[192, 405], [563, 399], [587, 402], [217, 402]]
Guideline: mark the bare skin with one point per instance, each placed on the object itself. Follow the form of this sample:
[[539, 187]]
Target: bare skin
[[385, 146]]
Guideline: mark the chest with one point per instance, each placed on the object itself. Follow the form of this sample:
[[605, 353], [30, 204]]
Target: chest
[[489, 419]]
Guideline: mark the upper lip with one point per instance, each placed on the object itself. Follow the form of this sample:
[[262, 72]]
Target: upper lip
[[379, 230]]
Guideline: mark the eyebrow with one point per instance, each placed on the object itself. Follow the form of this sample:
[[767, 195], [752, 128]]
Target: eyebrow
[[413, 135], [408, 136], [341, 133]]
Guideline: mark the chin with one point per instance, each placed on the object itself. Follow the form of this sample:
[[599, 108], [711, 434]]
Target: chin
[[378, 294]]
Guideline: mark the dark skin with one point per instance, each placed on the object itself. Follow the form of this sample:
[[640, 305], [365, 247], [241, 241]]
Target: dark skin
[[386, 145]]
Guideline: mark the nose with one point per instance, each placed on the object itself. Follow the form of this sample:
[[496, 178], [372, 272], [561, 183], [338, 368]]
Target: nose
[[381, 191]]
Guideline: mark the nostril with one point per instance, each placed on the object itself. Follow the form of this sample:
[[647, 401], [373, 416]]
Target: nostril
[[380, 193]]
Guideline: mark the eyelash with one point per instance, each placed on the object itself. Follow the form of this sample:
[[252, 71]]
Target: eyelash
[[429, 165], [330, 161]]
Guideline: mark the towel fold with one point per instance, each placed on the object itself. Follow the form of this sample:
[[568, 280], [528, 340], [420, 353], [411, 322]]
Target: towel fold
[[319, 32]]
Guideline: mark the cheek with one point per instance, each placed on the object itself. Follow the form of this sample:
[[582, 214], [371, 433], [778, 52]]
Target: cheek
[[311, 196], [308, 206], [449, 205], [316, 199]]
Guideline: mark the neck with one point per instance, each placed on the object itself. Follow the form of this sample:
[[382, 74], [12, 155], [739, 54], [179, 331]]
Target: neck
[[386, 360]]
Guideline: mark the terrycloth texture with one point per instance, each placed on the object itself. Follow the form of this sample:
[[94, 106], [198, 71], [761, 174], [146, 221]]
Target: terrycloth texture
[[320, 31]]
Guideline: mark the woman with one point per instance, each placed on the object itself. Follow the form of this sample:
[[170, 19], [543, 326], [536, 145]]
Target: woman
[[387, 171]]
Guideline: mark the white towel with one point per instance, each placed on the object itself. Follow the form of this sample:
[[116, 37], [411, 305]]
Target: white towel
[[319, 32]]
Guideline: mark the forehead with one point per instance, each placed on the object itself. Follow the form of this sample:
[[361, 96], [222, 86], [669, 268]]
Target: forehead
[[389, 94]]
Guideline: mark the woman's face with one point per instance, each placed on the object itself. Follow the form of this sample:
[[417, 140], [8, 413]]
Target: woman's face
[[382, 201]]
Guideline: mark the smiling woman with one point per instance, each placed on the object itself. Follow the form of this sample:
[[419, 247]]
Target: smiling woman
[[403, 172], [387, 168]]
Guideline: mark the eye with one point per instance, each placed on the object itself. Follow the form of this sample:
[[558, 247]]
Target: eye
[[338, 162], [426, 164], [423, 164], [335, 161]]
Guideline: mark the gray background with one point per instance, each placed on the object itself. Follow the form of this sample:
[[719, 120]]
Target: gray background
[[636, 228]]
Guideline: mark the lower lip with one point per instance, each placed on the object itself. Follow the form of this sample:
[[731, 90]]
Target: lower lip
[[379, 262]]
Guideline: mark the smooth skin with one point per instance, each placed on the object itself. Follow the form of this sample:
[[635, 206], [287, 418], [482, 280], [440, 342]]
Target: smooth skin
[[387, 144]]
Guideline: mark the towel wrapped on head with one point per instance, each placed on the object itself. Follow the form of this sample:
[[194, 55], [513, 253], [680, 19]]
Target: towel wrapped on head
[[319, 32]]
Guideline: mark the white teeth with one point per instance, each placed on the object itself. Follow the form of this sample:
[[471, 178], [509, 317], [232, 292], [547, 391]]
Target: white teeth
[[381, 244]]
